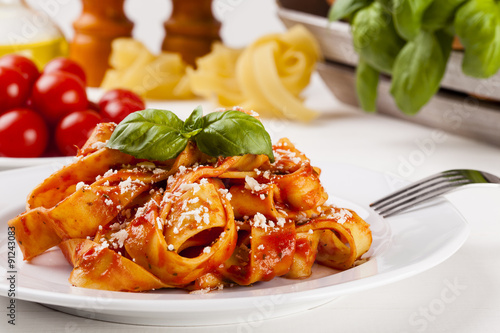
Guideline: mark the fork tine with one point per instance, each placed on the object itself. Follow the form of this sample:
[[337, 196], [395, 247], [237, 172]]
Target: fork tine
[[417, 187], [429, 188], [420, 197]]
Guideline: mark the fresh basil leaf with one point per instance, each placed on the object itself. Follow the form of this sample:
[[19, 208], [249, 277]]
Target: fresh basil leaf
[[408, 16], [386, 4], [149, 134], [477, 23], [343, 8], [418, 70], [193, 124], [233, 133], [440, 14], [375, 38], [367, 79]]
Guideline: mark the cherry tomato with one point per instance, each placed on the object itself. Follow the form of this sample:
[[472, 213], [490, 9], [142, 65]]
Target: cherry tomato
[[57, 94], [23, 133], [116, 94], [66, 65], [117, 110], [74, 130], [25, 66], [14, 88], [28, 103]]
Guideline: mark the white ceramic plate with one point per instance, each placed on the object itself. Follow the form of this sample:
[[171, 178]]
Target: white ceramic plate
[[402, 246]]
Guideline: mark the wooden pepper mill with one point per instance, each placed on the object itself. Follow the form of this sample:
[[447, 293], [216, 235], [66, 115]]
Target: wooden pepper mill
[[191, 29], [100, 22]]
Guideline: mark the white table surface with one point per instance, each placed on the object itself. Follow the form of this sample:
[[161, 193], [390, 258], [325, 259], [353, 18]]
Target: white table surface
[[345, 134]]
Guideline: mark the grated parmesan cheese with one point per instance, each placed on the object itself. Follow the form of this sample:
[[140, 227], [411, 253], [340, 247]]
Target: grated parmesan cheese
[[341, 216], [104, 245], [99, 144], [260, 221], [81, 185], [159, 223], [120, 236], [129, 185], [253, 185], [226, 193], [140, 211], [187, 187], [110, 172]]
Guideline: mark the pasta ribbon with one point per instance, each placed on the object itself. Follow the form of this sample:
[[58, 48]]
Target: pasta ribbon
[[102, 268]]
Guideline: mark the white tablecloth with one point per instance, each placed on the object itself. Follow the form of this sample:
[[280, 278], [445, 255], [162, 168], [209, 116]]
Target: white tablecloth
[[461, 294]]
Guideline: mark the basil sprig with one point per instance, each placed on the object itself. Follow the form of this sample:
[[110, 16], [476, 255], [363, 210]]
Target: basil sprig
[[160, 135], [411, 40]]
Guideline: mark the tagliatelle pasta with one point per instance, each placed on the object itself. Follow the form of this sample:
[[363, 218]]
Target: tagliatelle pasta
[[267, 76], [194, 222], [134, 67]]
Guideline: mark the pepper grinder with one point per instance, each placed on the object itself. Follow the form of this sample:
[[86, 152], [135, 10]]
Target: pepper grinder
[[100, 22], [191, 29]]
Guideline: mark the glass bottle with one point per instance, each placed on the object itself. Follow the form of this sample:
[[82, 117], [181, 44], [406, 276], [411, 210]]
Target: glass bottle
[[100, 22], [29, 32]]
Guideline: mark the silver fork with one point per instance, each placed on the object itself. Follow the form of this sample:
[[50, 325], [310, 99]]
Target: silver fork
[[429, 188]]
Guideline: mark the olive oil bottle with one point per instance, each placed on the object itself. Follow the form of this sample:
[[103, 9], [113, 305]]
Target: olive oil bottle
[[31, 33]]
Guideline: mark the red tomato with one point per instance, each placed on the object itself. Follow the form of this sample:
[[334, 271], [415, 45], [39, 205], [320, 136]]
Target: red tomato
[[74, 130], [25, 66], [66, 65], [117, 110], [23, 133], [14, 88], [57, 94], [117, 94]]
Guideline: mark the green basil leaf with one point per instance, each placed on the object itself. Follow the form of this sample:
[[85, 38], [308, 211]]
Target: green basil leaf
[[477, 23], [343, 8], [375, 38], [386, 4], [233, 133], [440, 14], [149, 134], [408, 16], [193, 124], [418, 70], [367, 79]]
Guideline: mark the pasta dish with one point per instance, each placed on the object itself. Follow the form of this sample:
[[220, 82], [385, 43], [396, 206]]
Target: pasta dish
[[195, 221]]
